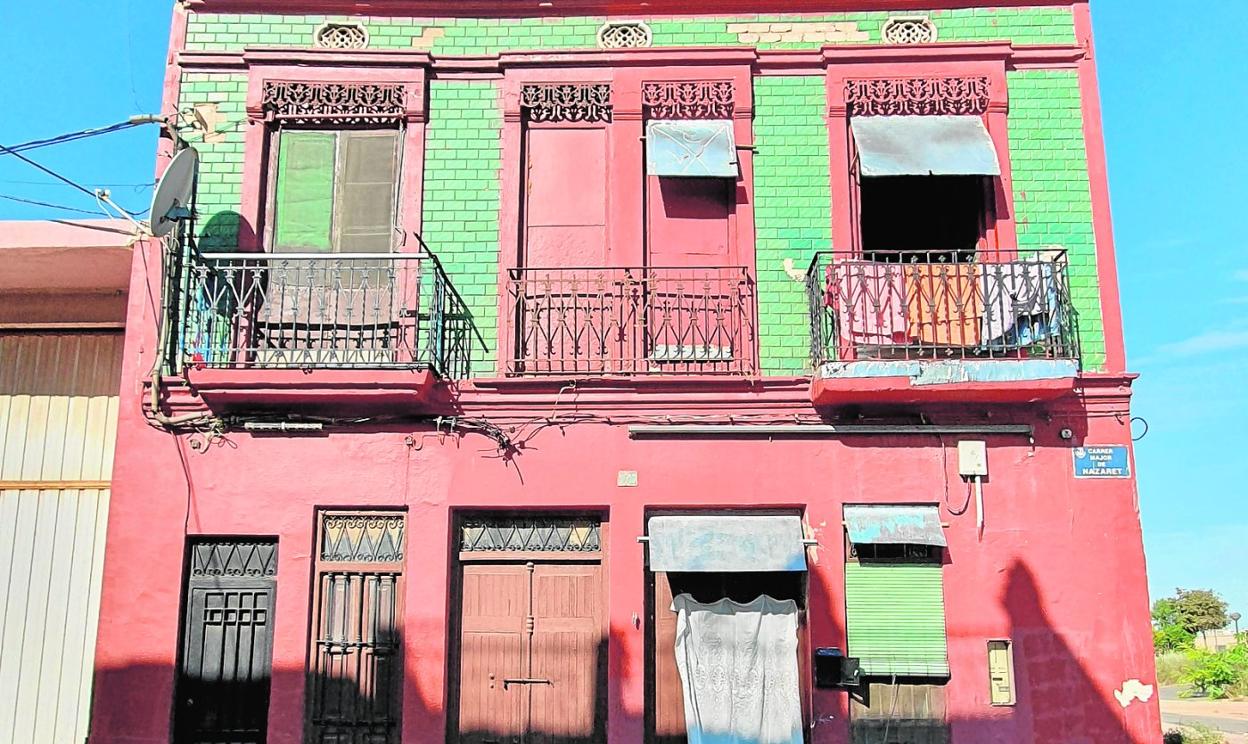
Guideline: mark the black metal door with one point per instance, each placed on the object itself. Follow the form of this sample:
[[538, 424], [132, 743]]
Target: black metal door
[[227, 643]]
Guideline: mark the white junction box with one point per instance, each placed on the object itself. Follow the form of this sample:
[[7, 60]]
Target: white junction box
[[972, 458]]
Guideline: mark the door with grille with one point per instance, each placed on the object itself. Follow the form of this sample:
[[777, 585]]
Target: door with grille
[[532, 651], [227, 642], [355, 664]]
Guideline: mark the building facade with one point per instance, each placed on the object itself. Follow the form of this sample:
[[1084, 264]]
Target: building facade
[[514, 358], [62, 319]]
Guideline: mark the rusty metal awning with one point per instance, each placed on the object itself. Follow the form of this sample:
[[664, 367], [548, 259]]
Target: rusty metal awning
[[905, 525], [924, 146], [727, 543], [696, 148]]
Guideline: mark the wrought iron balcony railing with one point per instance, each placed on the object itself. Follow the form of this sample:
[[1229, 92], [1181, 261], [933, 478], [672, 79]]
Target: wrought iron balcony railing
[[921, 305], [317, 311], [632, 321]]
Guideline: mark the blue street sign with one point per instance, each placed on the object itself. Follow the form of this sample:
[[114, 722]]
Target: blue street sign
[[1111, 461]]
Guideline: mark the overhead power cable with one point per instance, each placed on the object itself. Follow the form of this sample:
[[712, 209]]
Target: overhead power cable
[[49, 205], [72, 136], [50, 172]]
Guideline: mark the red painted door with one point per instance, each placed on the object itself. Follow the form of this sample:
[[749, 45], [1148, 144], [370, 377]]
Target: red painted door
[[690, 221], [568, 651], [532, 653], [493, 648], [565, 197], [695, 299]]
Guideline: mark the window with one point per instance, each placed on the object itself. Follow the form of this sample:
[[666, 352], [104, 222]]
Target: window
[[894, 591], [356, 661], [924, 185], [335, 190], [934, 218]]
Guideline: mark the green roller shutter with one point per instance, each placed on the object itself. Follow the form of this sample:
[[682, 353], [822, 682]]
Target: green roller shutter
[[895, 613]]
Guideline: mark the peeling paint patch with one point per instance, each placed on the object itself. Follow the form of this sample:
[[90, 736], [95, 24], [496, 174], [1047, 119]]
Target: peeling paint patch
[[1133, 690], [808, 32]]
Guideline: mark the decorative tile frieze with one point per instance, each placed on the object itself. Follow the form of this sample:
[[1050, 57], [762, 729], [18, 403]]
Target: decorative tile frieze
[[917, 96], [343, 103], [554, 102], [700, 99]]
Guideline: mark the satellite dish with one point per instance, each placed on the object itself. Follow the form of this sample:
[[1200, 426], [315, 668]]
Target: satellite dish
[[172, 201]]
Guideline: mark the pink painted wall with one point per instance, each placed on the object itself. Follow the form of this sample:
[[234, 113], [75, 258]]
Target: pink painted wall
[[1060, 567]]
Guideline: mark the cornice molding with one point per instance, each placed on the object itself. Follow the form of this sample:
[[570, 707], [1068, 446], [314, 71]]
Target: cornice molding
[[612, 8], [764, 61]]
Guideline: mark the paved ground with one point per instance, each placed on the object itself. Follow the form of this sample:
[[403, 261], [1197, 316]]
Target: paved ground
[[1227, 716]]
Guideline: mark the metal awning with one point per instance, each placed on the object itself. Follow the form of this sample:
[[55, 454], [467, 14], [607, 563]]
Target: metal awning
[[905, 525], [696, 148], [726, 543], [924, 146]]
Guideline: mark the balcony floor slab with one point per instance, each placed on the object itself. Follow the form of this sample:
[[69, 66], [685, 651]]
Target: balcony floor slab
[[354, 392], [948, 381]]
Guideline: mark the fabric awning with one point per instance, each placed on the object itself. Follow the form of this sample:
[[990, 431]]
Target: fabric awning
[[695, 148], [888, 524], [924, 146], [726, 543]]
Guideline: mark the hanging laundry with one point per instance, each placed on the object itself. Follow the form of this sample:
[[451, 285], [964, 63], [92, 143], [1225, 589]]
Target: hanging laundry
[[1020, 304], [869, 300], [943, 304], [738, 670]]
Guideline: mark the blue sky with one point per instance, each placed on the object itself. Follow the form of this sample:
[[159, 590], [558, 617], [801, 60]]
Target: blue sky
[[1175, 102]]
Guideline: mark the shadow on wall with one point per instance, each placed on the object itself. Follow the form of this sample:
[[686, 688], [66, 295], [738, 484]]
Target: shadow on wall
[[1058, 701]]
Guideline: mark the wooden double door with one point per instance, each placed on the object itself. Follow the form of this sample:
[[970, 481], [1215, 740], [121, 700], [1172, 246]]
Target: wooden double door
[[532, 653]]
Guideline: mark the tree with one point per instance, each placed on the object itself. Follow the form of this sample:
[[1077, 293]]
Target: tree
[[1177, 619], [1200, 610]]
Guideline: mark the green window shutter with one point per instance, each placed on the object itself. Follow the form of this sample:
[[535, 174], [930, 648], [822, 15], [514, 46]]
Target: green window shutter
[[895, 618], [303, 213]]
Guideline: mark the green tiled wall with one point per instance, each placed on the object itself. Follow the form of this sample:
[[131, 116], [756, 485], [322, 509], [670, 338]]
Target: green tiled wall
[[222, 32], [219, 195], [461, 199], [1052, 197], [792, 199], [792, 212]]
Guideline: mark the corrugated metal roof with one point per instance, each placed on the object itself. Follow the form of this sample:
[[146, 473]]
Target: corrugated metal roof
[[727, 543], [697, 148], [894, 525], [924, 146]]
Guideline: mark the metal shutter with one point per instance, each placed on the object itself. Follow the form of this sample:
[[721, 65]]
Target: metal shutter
[[895, 617]]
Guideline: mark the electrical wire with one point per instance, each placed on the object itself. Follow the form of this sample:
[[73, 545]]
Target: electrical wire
[[50, 205], [49, 171], [70, 137]]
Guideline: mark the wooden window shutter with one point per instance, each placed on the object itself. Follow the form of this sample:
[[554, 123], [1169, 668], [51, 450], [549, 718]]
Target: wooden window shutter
[[365, 200], [895, 618], [304, 193]]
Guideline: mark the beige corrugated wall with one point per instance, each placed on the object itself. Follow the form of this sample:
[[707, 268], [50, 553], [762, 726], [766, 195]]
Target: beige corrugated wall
[[58, 422]]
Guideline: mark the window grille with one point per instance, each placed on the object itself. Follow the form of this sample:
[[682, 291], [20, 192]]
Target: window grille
[[341, 36], [530, 534], [909, 30], [624, 35]]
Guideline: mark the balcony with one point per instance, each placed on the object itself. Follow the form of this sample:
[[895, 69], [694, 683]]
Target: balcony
[[260, 330], [911, 326], [631, 321]]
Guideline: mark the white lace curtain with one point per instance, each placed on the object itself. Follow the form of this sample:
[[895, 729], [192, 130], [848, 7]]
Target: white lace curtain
[[738, 670]]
